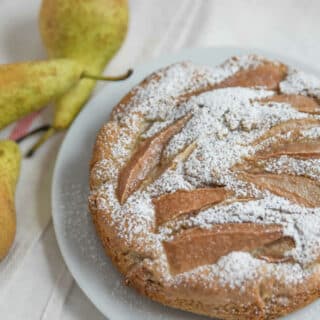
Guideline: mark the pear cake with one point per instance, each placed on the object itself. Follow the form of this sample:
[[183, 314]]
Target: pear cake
[[205, 188]]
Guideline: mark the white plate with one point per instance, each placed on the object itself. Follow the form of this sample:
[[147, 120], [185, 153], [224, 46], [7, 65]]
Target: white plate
[[76, 236]]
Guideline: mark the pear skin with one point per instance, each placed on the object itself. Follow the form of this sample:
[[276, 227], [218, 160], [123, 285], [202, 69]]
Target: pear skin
[[28, 86], [90, 32], [77, 96], [68, 106], [10, 159]]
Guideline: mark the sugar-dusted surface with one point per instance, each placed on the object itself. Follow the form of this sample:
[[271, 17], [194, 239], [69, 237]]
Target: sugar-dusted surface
[[284, 164], [313, 133], [224, 122], [299, 82]]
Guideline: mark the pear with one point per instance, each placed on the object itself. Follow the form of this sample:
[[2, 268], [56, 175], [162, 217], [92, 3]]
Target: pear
[[90, 32], [28, 86], [10, 159]]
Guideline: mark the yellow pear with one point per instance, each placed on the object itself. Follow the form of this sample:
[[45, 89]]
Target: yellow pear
[[90, 32], [10, 158], [28, 86]]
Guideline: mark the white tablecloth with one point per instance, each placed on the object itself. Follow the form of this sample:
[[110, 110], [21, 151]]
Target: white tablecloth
[[34, 281]]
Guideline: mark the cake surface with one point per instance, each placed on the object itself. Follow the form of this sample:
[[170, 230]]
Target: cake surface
[[205, 188]]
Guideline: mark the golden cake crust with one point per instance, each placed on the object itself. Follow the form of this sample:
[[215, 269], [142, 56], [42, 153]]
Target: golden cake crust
[[247, 286]]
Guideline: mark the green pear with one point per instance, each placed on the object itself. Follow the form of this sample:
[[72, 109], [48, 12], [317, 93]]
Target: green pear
[[10, 159], [90, 32], [27, 87]]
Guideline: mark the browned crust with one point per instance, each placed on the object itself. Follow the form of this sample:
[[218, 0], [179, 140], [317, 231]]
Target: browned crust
[[259, 300]]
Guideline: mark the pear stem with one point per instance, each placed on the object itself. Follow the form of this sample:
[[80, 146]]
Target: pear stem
[[49, 133], [31, 133], [121, 77]]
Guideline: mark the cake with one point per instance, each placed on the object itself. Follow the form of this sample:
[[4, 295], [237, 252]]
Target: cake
[[205, 192]]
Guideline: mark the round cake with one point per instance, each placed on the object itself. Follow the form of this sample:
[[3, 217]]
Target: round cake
[[205, 188]]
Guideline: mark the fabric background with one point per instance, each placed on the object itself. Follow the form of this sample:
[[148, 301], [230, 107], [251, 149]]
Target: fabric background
[[34, 281]]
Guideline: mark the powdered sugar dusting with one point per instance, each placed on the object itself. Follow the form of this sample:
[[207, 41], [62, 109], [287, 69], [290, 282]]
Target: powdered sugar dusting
[[170, 181], [156, 99], [235, 269], [299, 82], [313, 133], [285, 164], [224, 123]]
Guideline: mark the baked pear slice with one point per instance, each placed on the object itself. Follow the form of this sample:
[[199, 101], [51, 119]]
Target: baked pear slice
[[298, 189], [275, 251], [196, 247], [173, 205], [145, 159], [267, 75], [304, 149], [297, 101], [292, 125]]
